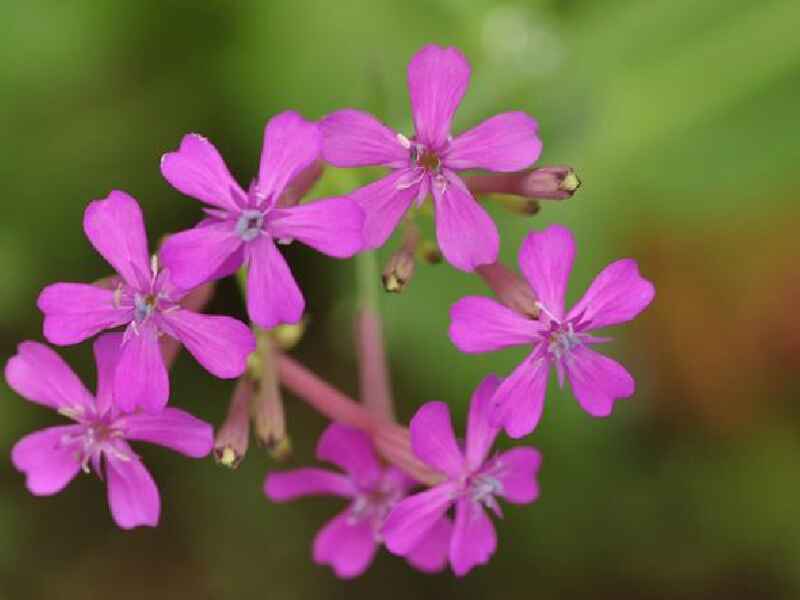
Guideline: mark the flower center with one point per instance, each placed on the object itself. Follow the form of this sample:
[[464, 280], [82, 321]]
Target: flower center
[[375, 505], [561, 340], [249, 225], [97, 438], [426, 158], [143, 306]]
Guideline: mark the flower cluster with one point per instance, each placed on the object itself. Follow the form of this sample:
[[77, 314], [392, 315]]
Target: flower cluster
[[416, 490]]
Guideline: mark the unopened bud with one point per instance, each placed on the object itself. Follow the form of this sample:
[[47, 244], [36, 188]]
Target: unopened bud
[[510, 289], [429, 252], [233, 436], [287, 337], [269, 419], [399, 270], [552, 183]]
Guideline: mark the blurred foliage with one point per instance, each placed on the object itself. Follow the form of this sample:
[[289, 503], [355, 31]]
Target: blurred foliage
[[680, 117]]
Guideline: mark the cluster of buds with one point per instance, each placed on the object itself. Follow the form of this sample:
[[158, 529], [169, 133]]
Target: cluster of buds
[[415, 490]]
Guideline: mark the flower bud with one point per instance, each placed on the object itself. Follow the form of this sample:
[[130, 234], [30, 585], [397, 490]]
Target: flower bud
[[269, 419], [287, 337], [233, 437], [399, 270], [510, 289], [552, 183], [429, 252]]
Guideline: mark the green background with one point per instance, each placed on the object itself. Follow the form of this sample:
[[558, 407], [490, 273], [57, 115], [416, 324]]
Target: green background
[[681, 118]]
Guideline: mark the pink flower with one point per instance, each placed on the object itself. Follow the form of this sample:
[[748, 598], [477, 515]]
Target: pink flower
[[98, 440], [428, 161], [616, 295], [474, 482], [144, 299], [242, 228], [349, 541]]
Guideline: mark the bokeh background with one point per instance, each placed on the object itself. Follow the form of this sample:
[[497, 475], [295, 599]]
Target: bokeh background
[[681, 117]]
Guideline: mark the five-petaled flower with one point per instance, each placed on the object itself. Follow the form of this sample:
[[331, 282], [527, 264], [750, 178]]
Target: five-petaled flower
[[144, 299], [242, 228], [474, 482], [98, 440], [349, 541], [428, 161], [615, 296]]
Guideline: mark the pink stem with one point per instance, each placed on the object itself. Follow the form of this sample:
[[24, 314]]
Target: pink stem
[[373, 370]]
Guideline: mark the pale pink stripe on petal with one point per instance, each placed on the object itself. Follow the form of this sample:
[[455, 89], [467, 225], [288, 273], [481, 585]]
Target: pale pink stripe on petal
[[519, 400], [503, 143], [597, 381], [290, 144], [479, 324], [40, 375], [290, 485], [141, 379], [273, 296], [115, 227], [221, 344], [347, 546], [74, 312], [545, 260], [414, 517], [132, 494], [433, 440], [481, 432], [437, 80], [48, 463], [174, 429], [517, 476], [353, 138], [351, 450], [474, 538], [384, 203], [333, 226], [431, 552], [466, 234], [198, 170], [616, 295]]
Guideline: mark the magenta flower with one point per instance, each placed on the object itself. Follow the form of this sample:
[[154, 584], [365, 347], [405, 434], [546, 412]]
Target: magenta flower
[[428, 161], [349, 541], [242, 228], [474, 481], [616, 295], [98, 440], [146, 301]]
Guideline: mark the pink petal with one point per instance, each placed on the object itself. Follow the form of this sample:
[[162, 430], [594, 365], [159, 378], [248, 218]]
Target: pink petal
[[115, 228], [413, 518], [466, 234], [290, 144], [48, 463], [504, 143], [352, 138], [347, 546], [197, 170], [141, 378], [351, 450], [437, 80], [597, 381], [171, 428], [433, 441], [430, 554], [615, 296], [38, 374], [200, 254], [221, 344], [384, 203], [132, 494], [546, 261], [479, 324], [518, 474], [481, 432], [474, 538], [74, 312], [333, 226], [272, 293], [290, 485], [107, 352], [520, 398]]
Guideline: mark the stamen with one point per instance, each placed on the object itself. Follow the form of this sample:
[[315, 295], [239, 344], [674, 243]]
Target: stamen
[[249, 225]]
